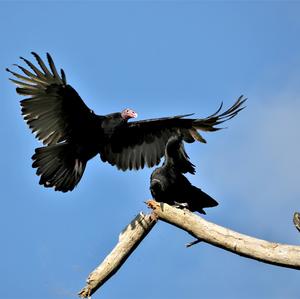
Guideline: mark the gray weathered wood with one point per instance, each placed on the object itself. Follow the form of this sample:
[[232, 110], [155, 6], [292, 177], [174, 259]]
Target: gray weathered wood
[[268, 252], [260, 250], [129, 239]]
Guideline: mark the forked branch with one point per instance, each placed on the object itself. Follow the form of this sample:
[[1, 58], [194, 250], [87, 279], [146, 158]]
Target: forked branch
[[268, 252], [129, 239]]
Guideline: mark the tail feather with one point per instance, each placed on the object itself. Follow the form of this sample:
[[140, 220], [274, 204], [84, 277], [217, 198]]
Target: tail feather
[[58, 166], [200, 200]]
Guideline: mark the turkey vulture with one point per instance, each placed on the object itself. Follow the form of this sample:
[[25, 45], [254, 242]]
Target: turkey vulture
[[73, 134], [169, 185]]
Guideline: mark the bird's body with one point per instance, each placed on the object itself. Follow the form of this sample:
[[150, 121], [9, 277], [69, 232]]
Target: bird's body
[[169, 185], [72, 133], [66, 161]]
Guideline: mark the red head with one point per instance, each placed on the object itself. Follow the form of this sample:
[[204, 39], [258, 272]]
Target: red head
[[128, 113]]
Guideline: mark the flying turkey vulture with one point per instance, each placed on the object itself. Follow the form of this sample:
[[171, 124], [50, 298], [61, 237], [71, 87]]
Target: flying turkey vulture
[[72, 133], [169, 185]]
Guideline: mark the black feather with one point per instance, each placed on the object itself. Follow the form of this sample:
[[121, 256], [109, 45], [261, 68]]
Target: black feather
[[55, 112], [41, 64], [169, 185]]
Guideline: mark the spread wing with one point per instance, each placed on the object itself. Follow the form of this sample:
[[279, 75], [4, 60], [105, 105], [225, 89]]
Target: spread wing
[[143, 143], [53, 110], [176, 156]]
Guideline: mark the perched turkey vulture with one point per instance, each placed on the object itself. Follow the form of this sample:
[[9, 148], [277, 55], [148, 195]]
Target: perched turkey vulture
[[72, 133], [169, 185]]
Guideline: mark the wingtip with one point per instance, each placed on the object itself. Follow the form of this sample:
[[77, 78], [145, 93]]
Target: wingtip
[[49, 56], [36, 56], [241, 99], [63, 76]]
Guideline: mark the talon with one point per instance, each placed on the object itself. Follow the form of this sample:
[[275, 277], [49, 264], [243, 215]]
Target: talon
[[181, 205]]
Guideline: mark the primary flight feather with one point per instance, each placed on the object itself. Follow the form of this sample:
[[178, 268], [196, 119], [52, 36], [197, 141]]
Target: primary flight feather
[[72, 133]]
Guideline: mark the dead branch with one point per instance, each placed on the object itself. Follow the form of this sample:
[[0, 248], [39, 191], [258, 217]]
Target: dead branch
[[272, 253], [129, 239]]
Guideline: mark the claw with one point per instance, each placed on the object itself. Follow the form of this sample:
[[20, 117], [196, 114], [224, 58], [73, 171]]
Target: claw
[[181, 205]]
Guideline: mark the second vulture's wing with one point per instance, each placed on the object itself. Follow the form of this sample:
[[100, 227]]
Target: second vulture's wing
[[143, 143], [176, 156], [53, 109]]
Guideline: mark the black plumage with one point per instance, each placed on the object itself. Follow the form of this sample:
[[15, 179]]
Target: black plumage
[[72, 133], [169, 185]]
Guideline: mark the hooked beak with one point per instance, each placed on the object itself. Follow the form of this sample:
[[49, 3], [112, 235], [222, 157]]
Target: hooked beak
[[133, 114]]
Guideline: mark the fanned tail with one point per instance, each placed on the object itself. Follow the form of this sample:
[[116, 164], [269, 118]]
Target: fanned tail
[[200, 200], [58, 166]]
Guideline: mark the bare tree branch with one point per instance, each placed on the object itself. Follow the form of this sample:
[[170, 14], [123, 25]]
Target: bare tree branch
[[272, 253], [129, 239]]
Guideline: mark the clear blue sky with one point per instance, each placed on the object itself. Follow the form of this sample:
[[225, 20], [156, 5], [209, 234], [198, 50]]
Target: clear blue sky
[[159, 58]]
